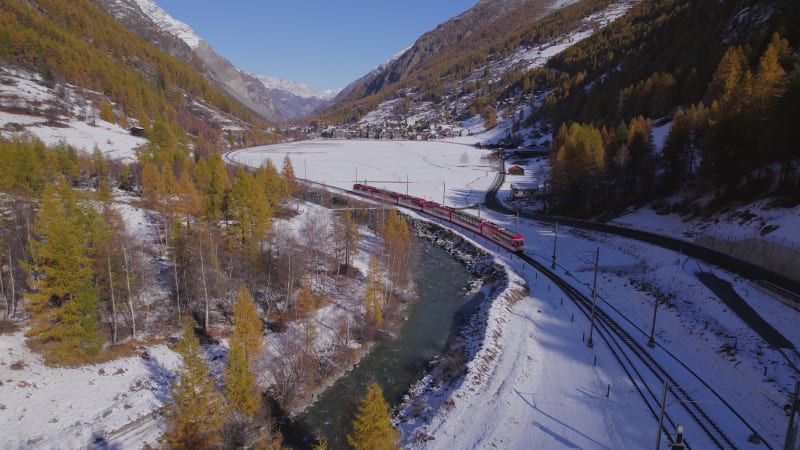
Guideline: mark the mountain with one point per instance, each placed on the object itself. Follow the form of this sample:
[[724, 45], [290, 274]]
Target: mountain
[[633, 108], [272, 100], [295, 99], [75, 50], [486, 23]]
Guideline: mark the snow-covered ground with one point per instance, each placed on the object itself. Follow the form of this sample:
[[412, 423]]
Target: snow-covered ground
[[69, 408], [59, 114], [540, 389], [545, 391]]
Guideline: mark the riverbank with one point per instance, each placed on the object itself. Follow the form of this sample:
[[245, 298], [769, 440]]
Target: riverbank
[[400, 362], [472, 356]]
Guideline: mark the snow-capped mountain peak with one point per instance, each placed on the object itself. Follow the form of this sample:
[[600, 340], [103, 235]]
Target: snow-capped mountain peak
[[301, 90], [168, 23]]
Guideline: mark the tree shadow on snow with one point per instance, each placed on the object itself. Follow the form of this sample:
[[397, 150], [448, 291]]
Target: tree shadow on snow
[[99, 442], [160, 378], [561, 439]]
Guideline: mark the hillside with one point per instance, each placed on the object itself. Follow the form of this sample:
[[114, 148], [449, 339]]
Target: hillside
[[77, 43], [617, 75], [452, 65], [469, 33]]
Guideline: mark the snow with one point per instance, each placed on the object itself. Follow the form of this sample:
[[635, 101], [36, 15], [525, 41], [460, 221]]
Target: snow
[[533, 384], [60, 114], [432, 169], [44, 408], [113, 141], [169, 24], [542, 387], [539, 55], [660, 133], [733, 225]]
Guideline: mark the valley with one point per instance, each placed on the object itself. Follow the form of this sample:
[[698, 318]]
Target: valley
[[199, 255]]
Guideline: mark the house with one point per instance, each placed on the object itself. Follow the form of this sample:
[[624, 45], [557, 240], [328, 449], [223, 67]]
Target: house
[[524, 190], [137, 131], [516, 170]]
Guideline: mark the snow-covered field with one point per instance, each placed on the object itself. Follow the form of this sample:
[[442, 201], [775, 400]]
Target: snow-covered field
[[71, 408], [426, 169]]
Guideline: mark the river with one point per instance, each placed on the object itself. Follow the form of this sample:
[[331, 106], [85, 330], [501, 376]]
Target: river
[[397, 363]]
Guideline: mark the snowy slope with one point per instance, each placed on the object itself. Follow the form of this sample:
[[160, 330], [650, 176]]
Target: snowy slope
[[60, 114], [49, 408], [168, 23], [535, 383]]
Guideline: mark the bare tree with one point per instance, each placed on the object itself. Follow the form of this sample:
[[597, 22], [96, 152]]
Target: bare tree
[[127, 268], [314, 230]]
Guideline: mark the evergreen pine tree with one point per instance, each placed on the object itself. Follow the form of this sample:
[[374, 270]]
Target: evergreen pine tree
[[106, 113], [249, 210], [287, 172], [195, 413], [396, 241], [322, 444], [151, 184], [372, 427]]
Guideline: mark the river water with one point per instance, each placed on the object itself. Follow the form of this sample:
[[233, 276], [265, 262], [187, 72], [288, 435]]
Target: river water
[[395, 364]]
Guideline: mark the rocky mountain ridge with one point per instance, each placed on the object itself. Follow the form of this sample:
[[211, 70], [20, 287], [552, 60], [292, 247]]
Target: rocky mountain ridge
[[272, 100]]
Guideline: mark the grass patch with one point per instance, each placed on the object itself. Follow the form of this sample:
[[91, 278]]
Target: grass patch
[[9, 327], [19, 365], [107, 354]]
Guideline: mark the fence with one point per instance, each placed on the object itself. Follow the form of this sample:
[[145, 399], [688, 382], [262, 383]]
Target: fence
[[779, 257]]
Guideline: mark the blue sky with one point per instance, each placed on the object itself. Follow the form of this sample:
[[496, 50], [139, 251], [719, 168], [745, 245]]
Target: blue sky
[[324, 43]]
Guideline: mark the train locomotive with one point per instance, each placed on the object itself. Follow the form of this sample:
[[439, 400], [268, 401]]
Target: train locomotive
[[507, 239]]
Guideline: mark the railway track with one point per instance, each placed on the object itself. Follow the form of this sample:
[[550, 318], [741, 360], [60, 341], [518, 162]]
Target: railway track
[[647, 374]]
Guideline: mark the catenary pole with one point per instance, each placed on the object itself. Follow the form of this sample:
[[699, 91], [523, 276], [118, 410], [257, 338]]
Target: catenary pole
[[589, 342], [555, 244]]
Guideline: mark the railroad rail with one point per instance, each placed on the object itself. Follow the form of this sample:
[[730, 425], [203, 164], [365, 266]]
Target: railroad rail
[[627, 350]]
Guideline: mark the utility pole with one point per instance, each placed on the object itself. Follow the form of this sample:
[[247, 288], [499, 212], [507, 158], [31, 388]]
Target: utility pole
[[651, 342], [661, 416], [555, 244], [791, 431], [594, 297], [406, 184], [443, 191]]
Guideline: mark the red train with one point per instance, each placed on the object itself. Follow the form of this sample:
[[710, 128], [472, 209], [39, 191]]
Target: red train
[[507, 239]]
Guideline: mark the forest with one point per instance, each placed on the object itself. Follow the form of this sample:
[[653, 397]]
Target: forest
[[87, 288], [731, 116]]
